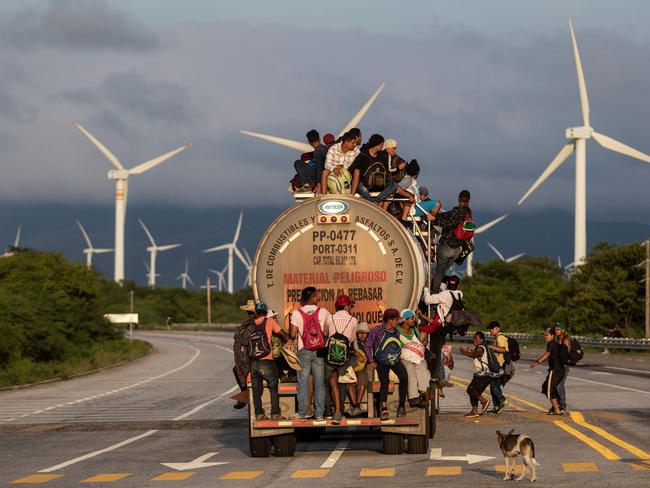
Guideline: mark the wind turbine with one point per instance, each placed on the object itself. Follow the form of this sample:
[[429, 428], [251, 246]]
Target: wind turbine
[[303, 146], [185, 277], [578, 137], [121, 176], [502, 258], [90, 250], [480, 230], [153, 254], [221, 281], [232, 250], [17, 239], [146, 265], [12, 249], [249, 268]]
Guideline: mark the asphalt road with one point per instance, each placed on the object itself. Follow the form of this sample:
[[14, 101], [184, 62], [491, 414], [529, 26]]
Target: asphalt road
[[118, 426]]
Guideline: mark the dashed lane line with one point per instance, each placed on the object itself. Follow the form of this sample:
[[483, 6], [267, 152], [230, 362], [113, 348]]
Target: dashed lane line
[[579, 419], [601, 449], [377, 472], [579, 468], [36, 479], [133, 439], [444, 471], [242, 475], [106, 478], [174, 476], [310, 473]]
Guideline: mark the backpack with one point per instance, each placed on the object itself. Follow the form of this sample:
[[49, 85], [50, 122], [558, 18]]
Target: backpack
[[338, 346], [576, 353], [240, 344], [312, 333], [258, 342], [375, 176], [360, 354], [493, 365], [513, 353], [390, 349], [466, 248], [465, 230]]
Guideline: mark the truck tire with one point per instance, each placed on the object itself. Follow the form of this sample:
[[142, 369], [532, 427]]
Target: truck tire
[[285, 445], [393, 443], [417, 444], [259, 446]]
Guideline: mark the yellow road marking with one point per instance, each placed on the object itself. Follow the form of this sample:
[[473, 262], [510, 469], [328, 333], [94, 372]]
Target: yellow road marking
[[444, 471], [501, 468], [310, 473], [579, 419], [106, 478], [37, 479], [579, 467], [604, 451], [174, 476], [377, 472], [642, 466], [242, 475]]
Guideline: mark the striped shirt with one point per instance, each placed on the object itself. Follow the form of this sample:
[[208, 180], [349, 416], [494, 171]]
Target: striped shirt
[[336, 157]]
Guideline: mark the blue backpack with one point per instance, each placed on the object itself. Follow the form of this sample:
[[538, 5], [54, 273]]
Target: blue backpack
[[390, 348]]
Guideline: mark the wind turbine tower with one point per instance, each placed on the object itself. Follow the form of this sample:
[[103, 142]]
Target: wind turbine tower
[[121, 176]]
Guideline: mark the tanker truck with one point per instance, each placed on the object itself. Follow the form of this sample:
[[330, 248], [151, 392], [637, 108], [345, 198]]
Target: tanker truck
[[341, 245]]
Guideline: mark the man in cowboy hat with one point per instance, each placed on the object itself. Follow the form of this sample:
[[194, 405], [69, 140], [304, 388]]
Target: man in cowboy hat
[[242, 362]]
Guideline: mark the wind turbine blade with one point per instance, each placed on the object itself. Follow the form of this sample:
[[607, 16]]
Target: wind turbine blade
[[584, 99], [357, 118], [298, 146], [167, 247], [103, 149], [241, 257], [83, 231], [17, 239], [141, 168], [153, 243], [102, 250], [218, 248], [613, 145], [514, 258], [187, 266], [191, 282], [248, 258], [496, 251], [485, 227], [241, 216], [564, 153]]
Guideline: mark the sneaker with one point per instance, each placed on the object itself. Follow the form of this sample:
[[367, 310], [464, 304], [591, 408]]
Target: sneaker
[[485, 406], [336, 418], [278, 416], [356, 411], [261, 416], [297, 416], [239, 405], [446, 384], [384, 415], [401, 411], [472, 414], [319, 418], [505, 404], [328, 413], [310, 413], [417, 403]]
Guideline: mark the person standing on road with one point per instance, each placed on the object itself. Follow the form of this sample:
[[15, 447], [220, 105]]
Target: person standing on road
[[481, 377], [500, 348], [565, 342], [242, 361], [555, 370], [309, 359], [264, 369]]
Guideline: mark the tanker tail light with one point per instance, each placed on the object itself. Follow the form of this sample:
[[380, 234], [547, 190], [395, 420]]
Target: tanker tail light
[[334, 219]]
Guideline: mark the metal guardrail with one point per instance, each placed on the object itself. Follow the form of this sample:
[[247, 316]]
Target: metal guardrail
[[604, 342]]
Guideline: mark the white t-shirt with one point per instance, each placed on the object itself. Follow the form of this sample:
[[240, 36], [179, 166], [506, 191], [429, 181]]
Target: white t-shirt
[[296, 320], [343, 323]]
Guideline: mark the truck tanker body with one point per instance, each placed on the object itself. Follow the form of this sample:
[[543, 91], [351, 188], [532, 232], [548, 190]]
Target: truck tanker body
[[341, 245]]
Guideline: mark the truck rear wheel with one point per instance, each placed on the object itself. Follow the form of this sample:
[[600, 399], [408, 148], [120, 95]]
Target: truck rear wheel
[[259, 446], [285, 445], [417, 444], [393, 443]]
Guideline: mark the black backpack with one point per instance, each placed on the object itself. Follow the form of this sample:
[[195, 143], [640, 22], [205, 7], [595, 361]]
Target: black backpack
[[513, 353], [258, 342], [576, 353], [375, 176], [338, 346], [240, 344]]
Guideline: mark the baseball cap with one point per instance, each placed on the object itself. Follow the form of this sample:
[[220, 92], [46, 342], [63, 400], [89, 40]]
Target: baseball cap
[[342, 301], [329, 139], [406, 314], [261, 307]]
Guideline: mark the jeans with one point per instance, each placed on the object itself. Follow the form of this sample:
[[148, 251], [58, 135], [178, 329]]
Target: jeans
[[445, 257], [495, 391], [265, 370], [385, 193], [560, 389], [305, 172], [311, 364], [402, 375]]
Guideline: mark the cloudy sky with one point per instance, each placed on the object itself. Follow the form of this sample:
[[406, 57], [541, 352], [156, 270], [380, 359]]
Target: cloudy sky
[[479, 92]]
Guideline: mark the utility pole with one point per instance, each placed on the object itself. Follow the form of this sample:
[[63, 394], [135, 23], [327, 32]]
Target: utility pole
[[208, 287], [131, 311], [647, 289]]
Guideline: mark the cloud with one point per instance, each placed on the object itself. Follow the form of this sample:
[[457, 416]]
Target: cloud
[[77, 24]]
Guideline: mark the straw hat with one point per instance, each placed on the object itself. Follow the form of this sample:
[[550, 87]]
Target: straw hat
[[291, 358], [249, 307]]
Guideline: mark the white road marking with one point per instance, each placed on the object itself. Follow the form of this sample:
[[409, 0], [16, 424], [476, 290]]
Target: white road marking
[[148, 380], [338, 450], [603, 373], [627, 369], [572, 378], [132, 439]]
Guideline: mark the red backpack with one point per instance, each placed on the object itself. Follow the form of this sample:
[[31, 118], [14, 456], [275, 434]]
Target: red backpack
[[312, 333], [465, 230]]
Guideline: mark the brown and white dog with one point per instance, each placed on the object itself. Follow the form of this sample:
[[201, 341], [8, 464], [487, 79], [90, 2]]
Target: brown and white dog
[[511, 446]]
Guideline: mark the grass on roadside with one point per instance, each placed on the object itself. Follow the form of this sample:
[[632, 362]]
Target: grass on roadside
[[100, 355]]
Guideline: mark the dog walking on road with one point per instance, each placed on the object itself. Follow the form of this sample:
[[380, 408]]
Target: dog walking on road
[[511, 446]]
